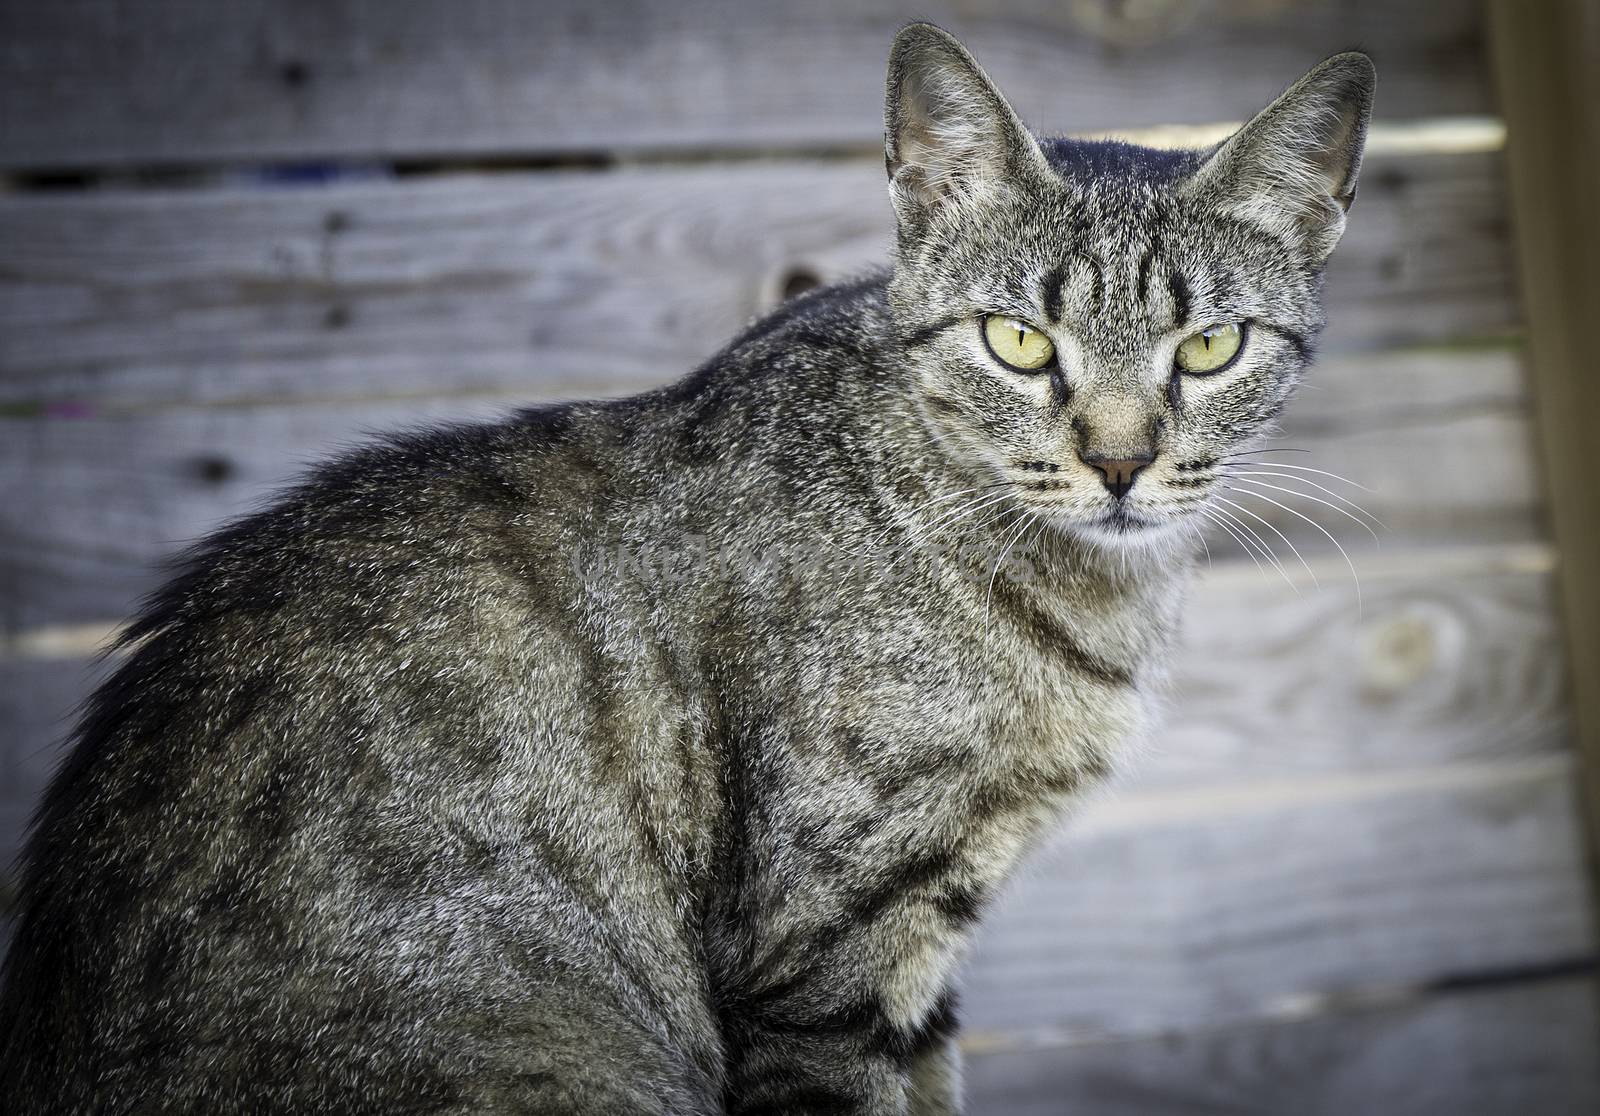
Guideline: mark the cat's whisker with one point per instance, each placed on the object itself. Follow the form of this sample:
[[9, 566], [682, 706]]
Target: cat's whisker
[[1355, 577], [1346, 501], [960, 513], [1209, 517], [1270, 449], [1250, 546], [1266, 550], [988, 597], [1271, 527], [1316, 499], [1298, 469], [988, 500], [963, 492], [877, 539], [1201, 535]]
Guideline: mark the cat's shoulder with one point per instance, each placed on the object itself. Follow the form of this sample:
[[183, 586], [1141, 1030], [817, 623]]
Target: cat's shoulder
[[389, 516], [842, 321]]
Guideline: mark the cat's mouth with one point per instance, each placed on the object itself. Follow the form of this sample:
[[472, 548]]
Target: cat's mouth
[[1120, 519]]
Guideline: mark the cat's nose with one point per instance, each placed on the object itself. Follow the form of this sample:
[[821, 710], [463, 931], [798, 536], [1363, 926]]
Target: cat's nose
[[1118, 473]]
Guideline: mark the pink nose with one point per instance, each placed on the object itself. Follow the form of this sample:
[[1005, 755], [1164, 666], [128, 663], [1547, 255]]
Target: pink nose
[[1119, 473]]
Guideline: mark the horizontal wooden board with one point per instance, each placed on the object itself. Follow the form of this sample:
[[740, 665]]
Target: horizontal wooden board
[[1440, 662], [1447, 661], [1141, 920], [90, 504], [566, 283], [90, 82], [1512, 1051], [1167, 909], [1273, 694]]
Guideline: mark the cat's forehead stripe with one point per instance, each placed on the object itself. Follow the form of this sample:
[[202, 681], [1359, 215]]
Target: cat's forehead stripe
[[1051, 292], [1182, 302]]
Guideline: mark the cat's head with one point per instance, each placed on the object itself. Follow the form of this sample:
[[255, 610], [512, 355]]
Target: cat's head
[[1102, 324]]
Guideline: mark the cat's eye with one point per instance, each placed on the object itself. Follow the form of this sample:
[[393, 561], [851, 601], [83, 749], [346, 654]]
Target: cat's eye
[[1210, 350], [1017, 344]]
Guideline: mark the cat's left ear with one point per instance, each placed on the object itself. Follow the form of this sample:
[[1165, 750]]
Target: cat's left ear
[[949, 136], [1293, 168]]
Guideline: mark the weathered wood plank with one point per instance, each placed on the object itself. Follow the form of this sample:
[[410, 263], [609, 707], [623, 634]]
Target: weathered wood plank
[[1507, 1052], [86, 82], [567, 283], [89, 505], [1165, 909], [1548, 60], [1161, 912], [1438, 663], [1441, 666]]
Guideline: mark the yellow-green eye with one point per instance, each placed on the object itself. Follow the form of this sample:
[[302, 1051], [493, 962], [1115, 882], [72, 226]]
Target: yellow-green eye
[[1210, 350], [1017, 344]]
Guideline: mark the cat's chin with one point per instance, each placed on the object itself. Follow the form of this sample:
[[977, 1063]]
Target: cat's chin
[[1123, 530]]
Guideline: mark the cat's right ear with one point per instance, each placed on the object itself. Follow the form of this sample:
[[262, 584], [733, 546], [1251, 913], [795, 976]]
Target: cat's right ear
[[1293, 167], [949, 136]]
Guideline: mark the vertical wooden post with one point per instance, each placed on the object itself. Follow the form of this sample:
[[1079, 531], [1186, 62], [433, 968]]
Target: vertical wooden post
[[1547, 61]]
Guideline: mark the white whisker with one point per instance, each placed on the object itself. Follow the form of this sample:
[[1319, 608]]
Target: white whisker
[[1353, 575], [1298, 469], [1267, 551], [877, 539], [1286, 540], [1201, 535], [1317, 499], [1320, 488], [989, 596], [978, 504], [1209, 517]]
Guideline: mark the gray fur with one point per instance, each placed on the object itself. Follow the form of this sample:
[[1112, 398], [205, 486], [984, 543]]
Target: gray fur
[[403, 801]]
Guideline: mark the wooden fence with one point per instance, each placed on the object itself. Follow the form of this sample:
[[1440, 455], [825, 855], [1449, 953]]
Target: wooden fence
[[1349, 877]]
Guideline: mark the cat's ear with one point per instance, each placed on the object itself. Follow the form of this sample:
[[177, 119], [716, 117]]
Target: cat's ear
[[949, 136], [1293, 167]]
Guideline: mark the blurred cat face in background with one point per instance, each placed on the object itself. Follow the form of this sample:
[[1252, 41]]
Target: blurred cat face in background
[[1099, 324]]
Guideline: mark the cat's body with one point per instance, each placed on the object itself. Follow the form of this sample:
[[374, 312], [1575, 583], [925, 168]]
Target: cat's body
[[492, 770]]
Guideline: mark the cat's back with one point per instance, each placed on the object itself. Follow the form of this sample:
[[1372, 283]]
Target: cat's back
[[378, 752], [309, 772]]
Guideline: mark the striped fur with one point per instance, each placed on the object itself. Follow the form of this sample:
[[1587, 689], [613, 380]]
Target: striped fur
[[404, 800]]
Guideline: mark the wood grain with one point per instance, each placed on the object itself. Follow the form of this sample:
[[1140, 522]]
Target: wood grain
[[1505, 1052], [91, 504], [92, 83], [1435, 665], [1191, 909], [1548, 62], [1171, 907], [566, 283], [1441, 665]]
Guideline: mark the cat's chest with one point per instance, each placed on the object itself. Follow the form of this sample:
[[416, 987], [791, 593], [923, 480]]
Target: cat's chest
[[1067, 684], [1006, 741]]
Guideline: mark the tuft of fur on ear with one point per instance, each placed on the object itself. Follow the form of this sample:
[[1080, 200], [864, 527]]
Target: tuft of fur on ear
[[1293, 168], [949, 136]]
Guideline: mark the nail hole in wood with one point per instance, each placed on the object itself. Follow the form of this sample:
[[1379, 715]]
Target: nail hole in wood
[[798, 281], [213, 470]]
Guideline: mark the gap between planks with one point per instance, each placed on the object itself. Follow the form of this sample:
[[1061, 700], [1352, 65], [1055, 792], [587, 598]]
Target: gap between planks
[[1121, 805], [1440, 135], [1287, 1011]]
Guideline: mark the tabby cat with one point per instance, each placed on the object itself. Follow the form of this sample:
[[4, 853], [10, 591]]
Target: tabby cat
[[657, 755]]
